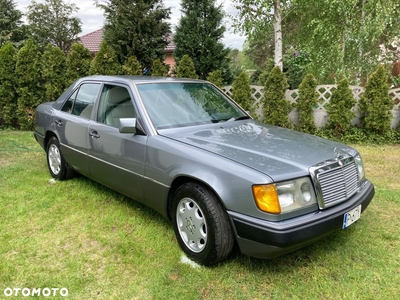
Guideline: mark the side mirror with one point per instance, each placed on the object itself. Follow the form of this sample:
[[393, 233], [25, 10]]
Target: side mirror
[[127, 125]]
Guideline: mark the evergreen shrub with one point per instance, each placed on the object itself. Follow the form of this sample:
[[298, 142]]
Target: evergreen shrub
[[132, 66], [8, 85], [186, 68], [241, 93], [375, 104], [215, 77], [159, 69], [339, 109], [53, 72], [276, 107], [29, 84], [105, 62], [78, 63], [308, 98]]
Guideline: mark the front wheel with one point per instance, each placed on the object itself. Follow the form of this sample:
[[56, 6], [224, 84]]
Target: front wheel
[[58, 167], [201, 224]]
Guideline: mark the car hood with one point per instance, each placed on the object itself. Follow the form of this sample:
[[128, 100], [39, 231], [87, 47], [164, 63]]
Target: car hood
[[279, 153]]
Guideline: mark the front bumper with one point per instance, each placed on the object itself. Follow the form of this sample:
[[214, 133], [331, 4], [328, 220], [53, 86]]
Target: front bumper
[[266, 239]]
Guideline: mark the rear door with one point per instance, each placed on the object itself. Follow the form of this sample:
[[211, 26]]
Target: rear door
[[72, 123], [116, 159]]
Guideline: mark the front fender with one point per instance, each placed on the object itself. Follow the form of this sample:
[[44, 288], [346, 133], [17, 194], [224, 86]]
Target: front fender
[[167, 159]]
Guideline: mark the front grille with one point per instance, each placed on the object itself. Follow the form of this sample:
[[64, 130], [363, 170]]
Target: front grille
[[336, 181]]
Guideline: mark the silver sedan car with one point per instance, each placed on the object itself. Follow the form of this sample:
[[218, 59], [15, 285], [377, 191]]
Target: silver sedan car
[[188, 151]]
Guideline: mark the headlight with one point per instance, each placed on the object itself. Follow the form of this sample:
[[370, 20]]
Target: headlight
[[285, 196], [360, 167]]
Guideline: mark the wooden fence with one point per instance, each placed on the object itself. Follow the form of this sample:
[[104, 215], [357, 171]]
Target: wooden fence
[[325, 94]]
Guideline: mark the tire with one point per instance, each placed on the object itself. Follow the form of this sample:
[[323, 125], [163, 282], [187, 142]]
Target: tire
[[201, 224], [58, 167]]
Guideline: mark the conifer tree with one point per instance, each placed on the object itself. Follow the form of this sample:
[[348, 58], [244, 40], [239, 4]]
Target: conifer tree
[[8, 92], [241, 93], [78, 63], [132, 66], [29, 84], [308, 98], [138, 28], [339, 108], [186, 68], [53, 72], [11, 27], [159, 69], [105, 62], [216, 78], [276, 107], [375, 104], [199, 35]]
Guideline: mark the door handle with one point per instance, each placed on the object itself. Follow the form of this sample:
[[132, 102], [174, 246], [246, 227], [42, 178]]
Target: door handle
[[94, 134], [59, 123]]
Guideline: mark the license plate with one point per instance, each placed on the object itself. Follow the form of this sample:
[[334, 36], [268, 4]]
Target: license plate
[[352, 216]]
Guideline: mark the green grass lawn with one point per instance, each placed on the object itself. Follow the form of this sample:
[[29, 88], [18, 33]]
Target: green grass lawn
[[99, 244]]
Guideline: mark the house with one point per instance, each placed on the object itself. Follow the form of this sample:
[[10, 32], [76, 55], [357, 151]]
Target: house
[[93, 40]]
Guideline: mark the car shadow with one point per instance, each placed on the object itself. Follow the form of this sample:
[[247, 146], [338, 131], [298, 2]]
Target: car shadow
[[140, 209]]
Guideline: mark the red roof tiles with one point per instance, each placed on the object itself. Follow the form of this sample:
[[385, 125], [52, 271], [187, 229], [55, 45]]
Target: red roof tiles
[[93, 40]]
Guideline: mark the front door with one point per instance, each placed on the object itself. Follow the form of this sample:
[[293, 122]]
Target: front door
[[116, 159]]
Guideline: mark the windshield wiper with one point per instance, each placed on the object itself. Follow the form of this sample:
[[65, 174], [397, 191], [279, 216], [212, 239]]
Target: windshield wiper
[[238, 118], [231, 119], [242, 118]]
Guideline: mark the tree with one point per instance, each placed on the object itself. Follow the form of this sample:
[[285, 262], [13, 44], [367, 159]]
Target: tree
[[259, 47], [11, 28], [78, 63], [257, 16], [276, 107], [105, 62], [375, 104], [53, 72], [295, 65], [199, 34], [308, 98], [8, 92], [136, 28], [343, 37], [241, 93], [52, 22], [29, 84], [186, 68], [132, 66], [159, 69], [339, 108], [239, 61]]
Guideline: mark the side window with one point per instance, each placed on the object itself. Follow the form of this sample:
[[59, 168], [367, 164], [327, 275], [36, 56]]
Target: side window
[[81, 102], [67, 107], [115, 103]]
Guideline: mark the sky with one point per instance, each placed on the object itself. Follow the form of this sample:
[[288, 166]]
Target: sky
[[92, 17]]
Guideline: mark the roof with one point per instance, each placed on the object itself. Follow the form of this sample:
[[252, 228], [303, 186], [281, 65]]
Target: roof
[[93, 40], [137, 79]]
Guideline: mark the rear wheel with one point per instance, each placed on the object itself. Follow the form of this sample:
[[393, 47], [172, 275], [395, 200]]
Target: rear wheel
[[58, 167], [201, 224]]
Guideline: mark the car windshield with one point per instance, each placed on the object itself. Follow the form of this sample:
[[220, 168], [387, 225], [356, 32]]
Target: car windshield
[[185, 104]]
